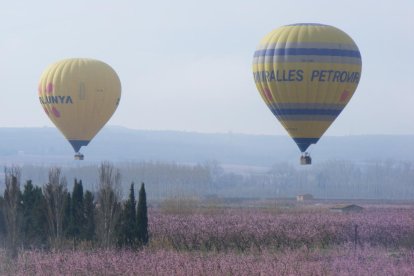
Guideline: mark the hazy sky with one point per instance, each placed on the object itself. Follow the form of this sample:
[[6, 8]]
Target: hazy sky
[[186, 65]]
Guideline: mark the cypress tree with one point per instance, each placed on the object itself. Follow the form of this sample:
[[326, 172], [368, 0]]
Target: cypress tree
[[89, 209], [126, 229], [142, 217], [77, 218], [34, 217], [67, 215], [28, 204]]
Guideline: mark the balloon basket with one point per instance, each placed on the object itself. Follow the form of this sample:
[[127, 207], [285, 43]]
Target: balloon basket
[[79, 156], [305, 159]]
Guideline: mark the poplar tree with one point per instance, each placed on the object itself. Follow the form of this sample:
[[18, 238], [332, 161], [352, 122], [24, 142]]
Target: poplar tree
[[142, 217], [55, 193], [2, 222], [12, 209], [108, 206]]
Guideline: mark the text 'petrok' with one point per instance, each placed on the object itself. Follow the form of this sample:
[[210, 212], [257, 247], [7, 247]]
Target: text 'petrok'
[[299, 75]]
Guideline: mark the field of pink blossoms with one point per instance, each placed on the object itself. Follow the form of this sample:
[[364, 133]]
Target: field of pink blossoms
[[248, 241], [335, 261], [261, 229]]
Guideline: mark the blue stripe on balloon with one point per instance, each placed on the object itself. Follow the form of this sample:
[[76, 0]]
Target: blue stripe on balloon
[[304, 143], [77, 144], [308, 24], [305, 111], [307, 59], [307, 52]]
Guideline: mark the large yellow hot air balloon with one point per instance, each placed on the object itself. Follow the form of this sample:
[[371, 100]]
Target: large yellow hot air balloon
[[306, 74], [79, 96]]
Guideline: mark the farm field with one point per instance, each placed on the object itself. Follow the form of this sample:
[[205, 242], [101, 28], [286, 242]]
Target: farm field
[[301, 240]]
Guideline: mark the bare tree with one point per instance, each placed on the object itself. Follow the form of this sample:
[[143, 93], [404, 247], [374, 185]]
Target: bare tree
[[11, 209], [55, 195], [108, 205], [2, 224]]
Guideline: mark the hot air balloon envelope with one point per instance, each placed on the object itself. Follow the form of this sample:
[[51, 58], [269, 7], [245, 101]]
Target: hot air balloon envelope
[[306, 74], [79, 96]]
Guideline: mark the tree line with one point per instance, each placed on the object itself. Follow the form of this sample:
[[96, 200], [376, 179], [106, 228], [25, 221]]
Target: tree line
[[336, 179], [375, 179], [51, 217]]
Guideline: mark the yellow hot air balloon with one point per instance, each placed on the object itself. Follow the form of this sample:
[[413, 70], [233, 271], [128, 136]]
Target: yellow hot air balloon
[[306, 74], [79, 95]]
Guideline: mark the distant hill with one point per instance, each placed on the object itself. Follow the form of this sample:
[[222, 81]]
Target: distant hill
[[47, 145]]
